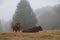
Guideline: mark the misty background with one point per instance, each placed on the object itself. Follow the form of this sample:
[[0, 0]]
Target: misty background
[[47, 13]]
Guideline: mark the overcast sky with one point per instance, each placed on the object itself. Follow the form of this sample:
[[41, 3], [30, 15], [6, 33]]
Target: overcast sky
[[7, 7]]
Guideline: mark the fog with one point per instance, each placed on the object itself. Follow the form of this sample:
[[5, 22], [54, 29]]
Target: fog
[[8, 8], [49, 18]]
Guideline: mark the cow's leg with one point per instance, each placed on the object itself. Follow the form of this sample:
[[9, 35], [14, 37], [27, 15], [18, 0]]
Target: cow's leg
[[13, 29], [18, 29]]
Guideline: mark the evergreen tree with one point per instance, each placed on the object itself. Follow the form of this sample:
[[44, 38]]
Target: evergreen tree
[[25, 15]]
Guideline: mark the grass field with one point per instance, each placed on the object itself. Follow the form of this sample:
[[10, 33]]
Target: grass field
[[42, 35]]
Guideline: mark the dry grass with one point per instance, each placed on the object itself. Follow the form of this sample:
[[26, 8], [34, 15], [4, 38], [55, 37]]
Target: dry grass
[[42, 35]]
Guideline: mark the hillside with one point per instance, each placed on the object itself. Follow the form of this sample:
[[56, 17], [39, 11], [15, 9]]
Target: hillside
[[48, 18], [42, 35]]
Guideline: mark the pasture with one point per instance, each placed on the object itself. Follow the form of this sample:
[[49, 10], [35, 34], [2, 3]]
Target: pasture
[[41, 35]]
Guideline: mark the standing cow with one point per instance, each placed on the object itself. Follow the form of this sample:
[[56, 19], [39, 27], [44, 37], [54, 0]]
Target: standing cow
[[16, 26]]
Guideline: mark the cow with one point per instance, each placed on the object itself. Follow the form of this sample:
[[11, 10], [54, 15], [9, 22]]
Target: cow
[[16, 26], [33, 29]]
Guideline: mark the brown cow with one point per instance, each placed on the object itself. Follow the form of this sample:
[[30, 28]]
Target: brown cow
[[16, 26], [33, 29]]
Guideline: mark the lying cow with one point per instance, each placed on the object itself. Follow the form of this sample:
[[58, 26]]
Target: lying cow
[[33, 29]]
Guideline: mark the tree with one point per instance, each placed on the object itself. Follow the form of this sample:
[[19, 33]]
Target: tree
[[49, 18], [25, 15], [0, 26], [57, 9]]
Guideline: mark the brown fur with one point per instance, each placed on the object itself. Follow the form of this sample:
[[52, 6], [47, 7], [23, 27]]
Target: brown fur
[[16, 26], [33, 29]]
